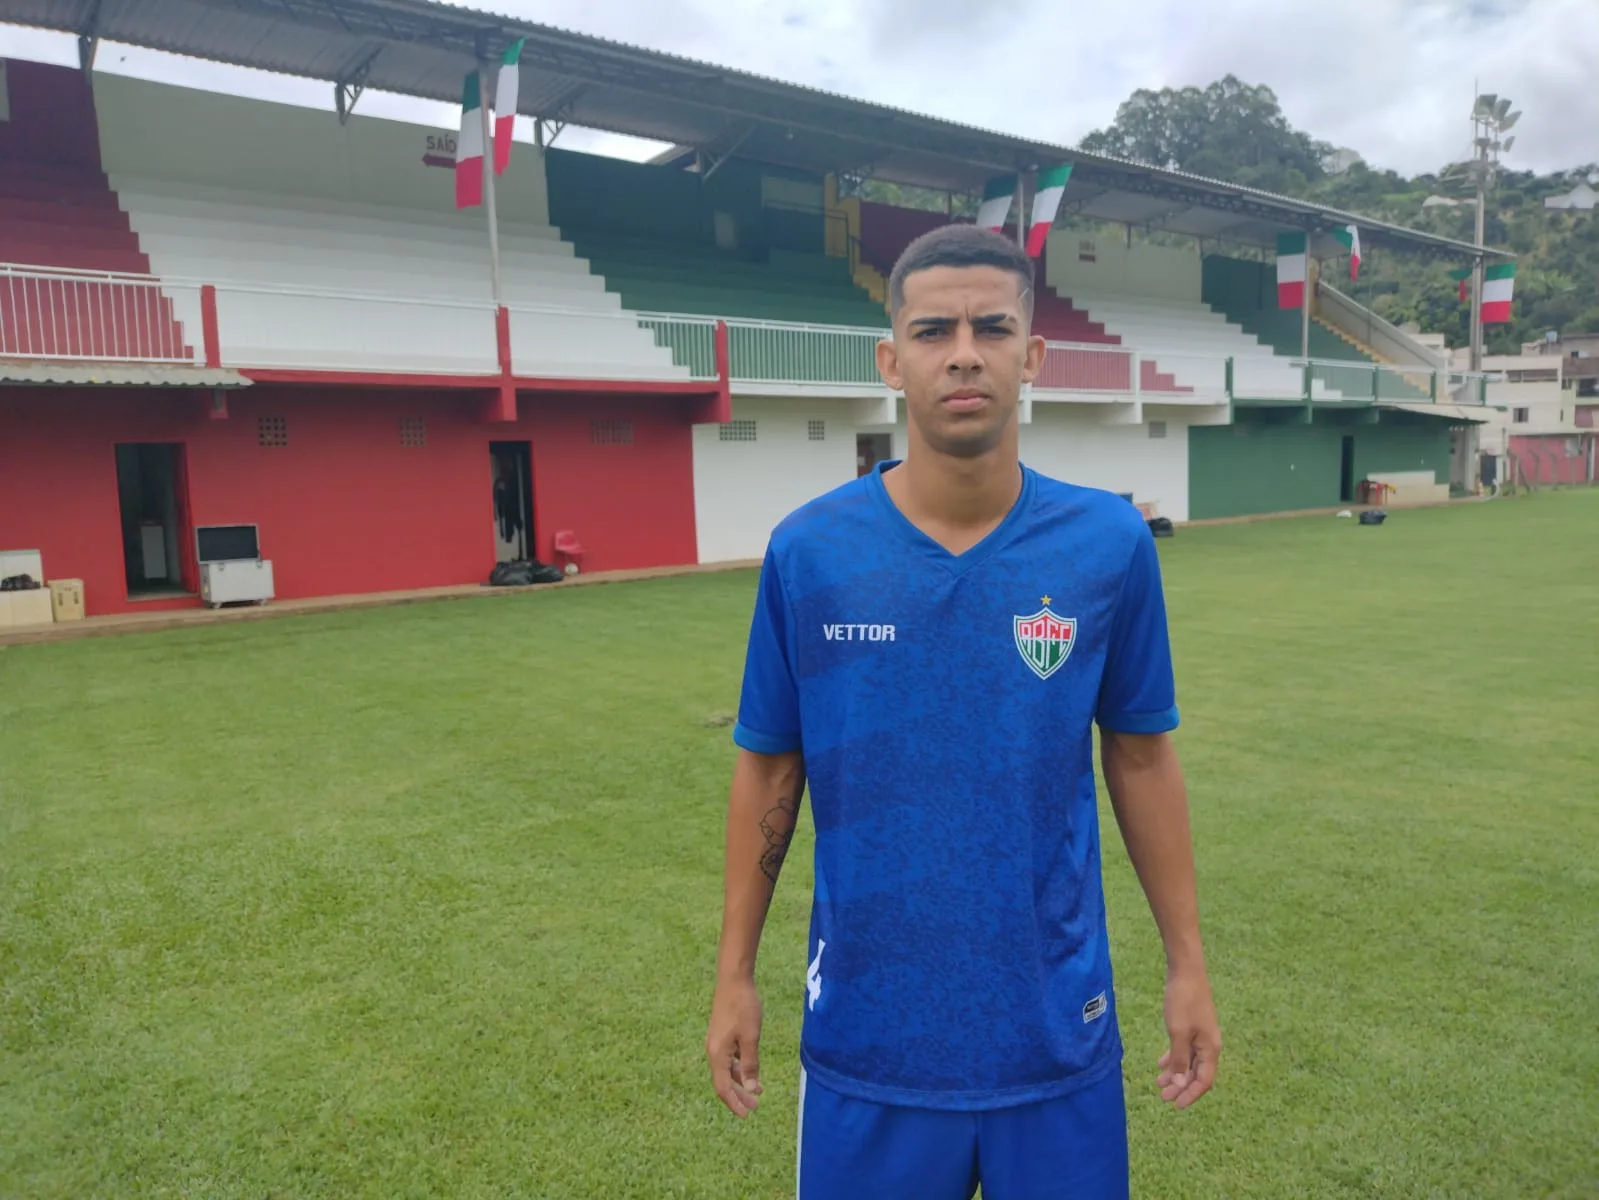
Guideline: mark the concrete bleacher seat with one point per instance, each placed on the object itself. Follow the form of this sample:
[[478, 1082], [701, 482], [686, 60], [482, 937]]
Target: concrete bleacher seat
[[1197, 338], [395, 289]]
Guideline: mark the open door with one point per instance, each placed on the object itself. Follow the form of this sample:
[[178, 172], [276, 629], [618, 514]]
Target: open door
[[1346, 470], [871, 449], [152, 495], [512, 467]]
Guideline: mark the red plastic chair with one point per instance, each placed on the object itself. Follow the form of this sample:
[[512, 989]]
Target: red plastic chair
[[568, 551]]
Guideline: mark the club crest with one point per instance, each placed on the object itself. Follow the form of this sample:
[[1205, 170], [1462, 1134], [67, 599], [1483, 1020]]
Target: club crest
[[1045, 641]]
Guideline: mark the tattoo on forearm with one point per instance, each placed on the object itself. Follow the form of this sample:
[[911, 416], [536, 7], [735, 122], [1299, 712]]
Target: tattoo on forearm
[[777, 827]]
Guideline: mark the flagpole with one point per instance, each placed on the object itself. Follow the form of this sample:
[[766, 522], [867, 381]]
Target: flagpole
[[1304, 304], [488, 181], [1021, 205]]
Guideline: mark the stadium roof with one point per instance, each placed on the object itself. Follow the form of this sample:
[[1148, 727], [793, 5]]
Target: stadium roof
[[423, 48]]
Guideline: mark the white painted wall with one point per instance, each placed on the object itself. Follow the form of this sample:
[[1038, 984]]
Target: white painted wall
[[743, 489], [1100, 264], [158, 131], [1071, 444]]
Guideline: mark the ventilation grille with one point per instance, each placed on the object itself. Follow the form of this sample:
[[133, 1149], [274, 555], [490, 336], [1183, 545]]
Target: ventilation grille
[[816, 430], [737, 431], [611, 433], [1157, 429], [413, 431], [272, 431]]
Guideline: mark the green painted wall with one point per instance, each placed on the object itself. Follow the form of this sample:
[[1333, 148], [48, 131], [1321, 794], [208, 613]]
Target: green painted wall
[[591, 193], [1260, 466], [1235, 285], [1269, 461]]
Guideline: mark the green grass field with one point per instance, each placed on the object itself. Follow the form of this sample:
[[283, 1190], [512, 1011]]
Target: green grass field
[[423, 901]]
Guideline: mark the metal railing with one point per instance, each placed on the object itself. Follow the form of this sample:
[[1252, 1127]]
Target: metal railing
[[1072, 367], [90, 316], [103, 316], [787, 352]]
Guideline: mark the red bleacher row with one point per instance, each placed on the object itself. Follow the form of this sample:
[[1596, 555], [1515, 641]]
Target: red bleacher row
[[886, 231]]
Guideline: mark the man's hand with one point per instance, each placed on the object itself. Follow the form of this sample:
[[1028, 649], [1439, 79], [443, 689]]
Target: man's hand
[[733, 1045], [1189, 1068]]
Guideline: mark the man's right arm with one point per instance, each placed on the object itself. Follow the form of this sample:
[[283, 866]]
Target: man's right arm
[[762, 811]]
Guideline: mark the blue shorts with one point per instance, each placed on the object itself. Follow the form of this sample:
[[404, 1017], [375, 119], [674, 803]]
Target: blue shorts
[[1074, 1146]]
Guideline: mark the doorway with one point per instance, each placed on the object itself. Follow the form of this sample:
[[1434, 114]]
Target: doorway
[[871, 449], [1346, 470], [150, 494], [512, 466]]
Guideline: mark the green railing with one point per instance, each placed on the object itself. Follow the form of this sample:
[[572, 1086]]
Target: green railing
[[1382, 383]]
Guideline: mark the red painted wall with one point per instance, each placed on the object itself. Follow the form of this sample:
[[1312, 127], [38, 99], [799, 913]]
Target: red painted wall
[[1544, 459], [344, 507]]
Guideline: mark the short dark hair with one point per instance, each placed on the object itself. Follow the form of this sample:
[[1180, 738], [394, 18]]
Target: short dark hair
[[961, 246]]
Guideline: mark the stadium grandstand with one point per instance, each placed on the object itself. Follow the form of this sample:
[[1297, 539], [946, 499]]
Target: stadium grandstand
[[278, 319]]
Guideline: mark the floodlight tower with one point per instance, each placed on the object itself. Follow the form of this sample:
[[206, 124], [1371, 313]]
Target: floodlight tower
[[1491, 119]]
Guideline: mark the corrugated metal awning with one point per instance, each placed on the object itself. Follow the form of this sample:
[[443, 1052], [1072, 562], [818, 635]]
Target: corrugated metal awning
[[1460, 414], [75, 374]]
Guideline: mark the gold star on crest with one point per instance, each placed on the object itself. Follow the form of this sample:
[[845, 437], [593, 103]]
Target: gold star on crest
[[1046, 601]]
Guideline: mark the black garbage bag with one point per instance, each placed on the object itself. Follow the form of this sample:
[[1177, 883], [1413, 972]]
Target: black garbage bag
[[1160, 526], [523, 571], [1374, 516]]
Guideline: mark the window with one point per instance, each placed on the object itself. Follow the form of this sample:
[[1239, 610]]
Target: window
[[1519, 416], [413, 431], [737, 431], [272, 431], [816, 431], [1157, 429], [611, 433]]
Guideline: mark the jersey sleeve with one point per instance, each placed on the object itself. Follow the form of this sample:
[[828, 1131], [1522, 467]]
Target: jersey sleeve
[[1138, 693], [768, 708]]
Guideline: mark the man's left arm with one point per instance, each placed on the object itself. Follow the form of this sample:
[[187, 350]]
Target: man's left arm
[[1150, 800], [1136, 712]]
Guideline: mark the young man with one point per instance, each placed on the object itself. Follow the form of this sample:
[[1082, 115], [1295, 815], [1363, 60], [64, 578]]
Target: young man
[[931, 646]]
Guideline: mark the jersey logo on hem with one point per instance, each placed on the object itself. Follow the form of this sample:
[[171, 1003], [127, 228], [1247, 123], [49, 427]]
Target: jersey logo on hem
[[1045, 640], [813, 975], [1095, 1008]]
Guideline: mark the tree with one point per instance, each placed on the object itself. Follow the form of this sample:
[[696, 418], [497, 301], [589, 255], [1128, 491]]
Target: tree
[[1229, 130]]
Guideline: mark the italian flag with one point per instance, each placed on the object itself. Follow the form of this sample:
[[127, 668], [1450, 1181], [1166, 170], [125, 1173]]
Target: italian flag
[[1497, 284], [1460, 276], [505, 104], [997, 197], [1046, 203], [469, 147], [1291, 265], [1350, 237]]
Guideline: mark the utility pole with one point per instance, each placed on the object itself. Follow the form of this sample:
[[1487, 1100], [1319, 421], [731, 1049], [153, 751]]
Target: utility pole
[[1491, 119]]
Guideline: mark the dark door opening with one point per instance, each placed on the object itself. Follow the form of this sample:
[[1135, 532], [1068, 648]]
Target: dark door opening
[[871, 449], [155, 533], [513, 500], [1346, 470]]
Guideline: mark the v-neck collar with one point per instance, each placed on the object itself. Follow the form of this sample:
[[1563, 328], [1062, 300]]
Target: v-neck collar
[[995, 539]]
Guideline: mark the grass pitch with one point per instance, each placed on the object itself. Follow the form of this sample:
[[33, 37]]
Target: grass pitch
[[423, 901]]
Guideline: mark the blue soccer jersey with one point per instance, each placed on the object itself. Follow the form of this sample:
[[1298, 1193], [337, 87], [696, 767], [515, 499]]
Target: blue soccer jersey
[[944, 704]]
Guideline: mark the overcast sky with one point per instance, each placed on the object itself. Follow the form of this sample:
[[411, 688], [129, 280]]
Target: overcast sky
[[1391, 79]]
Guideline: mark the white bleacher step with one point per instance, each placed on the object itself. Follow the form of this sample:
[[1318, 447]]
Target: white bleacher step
[[283, 207], [389, 239], [470, 282]]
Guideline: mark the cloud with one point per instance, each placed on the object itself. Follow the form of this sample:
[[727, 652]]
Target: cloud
[[1391, 79]]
